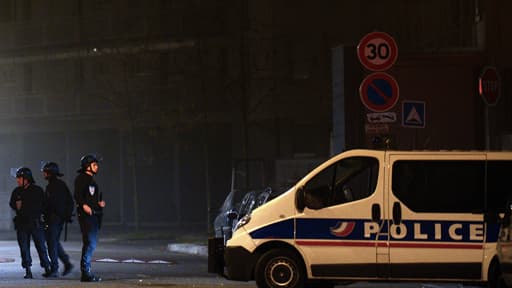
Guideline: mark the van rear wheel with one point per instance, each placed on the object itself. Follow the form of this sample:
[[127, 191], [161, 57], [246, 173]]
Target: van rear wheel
[[495, 278], [280, 268]]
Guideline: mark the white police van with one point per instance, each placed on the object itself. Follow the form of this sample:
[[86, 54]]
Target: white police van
[[377, 215]]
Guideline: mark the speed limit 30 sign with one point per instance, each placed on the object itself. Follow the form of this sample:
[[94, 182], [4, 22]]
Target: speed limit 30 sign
[[377, 51]]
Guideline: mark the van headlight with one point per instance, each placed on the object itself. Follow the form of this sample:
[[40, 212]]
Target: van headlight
[[242, 222]]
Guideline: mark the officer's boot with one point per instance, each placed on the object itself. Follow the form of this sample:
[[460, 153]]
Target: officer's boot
[[47, 272], [87, 276], [67, 268], [28, 273]]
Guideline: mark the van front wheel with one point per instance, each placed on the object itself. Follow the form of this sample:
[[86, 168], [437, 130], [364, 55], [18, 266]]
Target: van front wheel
[[280, 268]]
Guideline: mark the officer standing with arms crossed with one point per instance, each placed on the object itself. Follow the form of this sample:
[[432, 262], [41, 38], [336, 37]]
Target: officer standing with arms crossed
[[59, 209], [28, 201], [89, 210]]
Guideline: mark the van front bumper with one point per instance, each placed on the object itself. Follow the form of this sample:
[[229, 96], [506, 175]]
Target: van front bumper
[[239, 263]]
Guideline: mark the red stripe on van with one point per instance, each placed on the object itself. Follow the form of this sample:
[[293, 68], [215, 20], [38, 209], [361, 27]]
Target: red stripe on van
[[392, 244], [436, 245], [335, 243]]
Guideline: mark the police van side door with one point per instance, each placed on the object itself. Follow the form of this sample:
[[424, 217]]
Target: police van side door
[[436, 221], [337, 231]]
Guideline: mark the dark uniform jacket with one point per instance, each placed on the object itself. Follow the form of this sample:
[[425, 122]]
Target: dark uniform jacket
[[32, 205], [87, 192], [59, 204]]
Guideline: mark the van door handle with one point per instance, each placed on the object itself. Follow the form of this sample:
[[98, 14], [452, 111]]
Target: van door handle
[[397, 213], [375, 212]]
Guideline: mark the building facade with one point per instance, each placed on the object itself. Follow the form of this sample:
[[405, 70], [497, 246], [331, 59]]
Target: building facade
[[187, 100]]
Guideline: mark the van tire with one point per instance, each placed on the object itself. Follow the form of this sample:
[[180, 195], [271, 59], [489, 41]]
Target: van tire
[[280, 268], [494, 278]]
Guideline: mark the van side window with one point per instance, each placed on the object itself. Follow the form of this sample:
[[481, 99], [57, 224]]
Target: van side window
[[440, 186], [318, 190], [499, 191], [347, 180]]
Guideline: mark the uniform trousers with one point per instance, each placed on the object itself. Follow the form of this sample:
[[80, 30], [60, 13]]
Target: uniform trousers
[[89, 226], [55, 249], [35, 231]]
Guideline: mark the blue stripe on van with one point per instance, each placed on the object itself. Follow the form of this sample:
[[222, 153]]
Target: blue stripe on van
[[324, 229], [492, 232], [353, 229], [279, 230]]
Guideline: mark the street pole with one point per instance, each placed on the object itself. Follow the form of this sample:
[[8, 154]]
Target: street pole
[[487, 128], [244, 79]]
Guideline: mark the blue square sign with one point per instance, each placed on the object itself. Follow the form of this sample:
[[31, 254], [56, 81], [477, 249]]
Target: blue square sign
[[413, 114]]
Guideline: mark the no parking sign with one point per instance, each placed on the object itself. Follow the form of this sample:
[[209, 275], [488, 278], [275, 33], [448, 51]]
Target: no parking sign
[[379, 92]]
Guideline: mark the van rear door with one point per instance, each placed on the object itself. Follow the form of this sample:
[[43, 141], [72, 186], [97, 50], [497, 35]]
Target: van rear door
[[436, 221]]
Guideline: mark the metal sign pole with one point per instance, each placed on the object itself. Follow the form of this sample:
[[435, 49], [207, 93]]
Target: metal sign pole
[[487, 134]]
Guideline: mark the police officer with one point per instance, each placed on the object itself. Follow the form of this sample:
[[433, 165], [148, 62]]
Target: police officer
[[28, 201], [90, 206], [59, 207]]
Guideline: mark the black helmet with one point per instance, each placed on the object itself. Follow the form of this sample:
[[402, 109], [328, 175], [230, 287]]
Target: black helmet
[[52, 168], [25, 173], [86, 160]]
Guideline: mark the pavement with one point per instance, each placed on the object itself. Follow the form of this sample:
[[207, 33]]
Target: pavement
[[180, 239], [189, 239], [188, 248]]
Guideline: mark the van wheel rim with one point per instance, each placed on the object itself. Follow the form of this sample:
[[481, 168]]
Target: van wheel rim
[[281, 273]]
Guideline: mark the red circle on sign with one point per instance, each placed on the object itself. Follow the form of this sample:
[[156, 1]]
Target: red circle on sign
[[379, 92], [377, 51], [489, 85]]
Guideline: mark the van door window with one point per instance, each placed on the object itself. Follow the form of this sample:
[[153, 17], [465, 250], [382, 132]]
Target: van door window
[[499, 191], [347, 180], [440, 186]]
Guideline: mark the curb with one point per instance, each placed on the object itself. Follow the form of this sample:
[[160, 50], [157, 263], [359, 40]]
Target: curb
[[186, 248]]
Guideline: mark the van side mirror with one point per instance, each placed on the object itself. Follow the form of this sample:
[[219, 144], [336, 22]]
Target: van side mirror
[[299, 199]]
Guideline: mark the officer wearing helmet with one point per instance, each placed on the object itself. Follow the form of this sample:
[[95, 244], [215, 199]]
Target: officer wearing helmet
[[59, 209], [90, 206], [29, 203]]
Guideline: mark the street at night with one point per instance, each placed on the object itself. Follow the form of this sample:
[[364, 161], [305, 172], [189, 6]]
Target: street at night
[[308, 142], [125, 262]]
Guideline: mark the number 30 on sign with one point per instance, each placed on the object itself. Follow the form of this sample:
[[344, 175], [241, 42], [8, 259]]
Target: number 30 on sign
[[377, 51]]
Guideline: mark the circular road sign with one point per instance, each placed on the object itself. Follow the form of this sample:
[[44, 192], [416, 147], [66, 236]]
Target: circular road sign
[[379, 92], [489, 85], [377, 51]]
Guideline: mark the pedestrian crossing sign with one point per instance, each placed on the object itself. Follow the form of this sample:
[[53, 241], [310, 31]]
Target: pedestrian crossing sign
[[413, 114]]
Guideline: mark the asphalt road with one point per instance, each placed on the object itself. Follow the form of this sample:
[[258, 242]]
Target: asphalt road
[[126, 263], [135, 262]]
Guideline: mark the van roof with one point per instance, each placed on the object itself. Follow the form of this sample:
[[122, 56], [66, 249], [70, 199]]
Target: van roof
[[434, 151]]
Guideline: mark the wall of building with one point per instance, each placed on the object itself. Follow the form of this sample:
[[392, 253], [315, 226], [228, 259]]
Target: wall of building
[[174, 94]]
